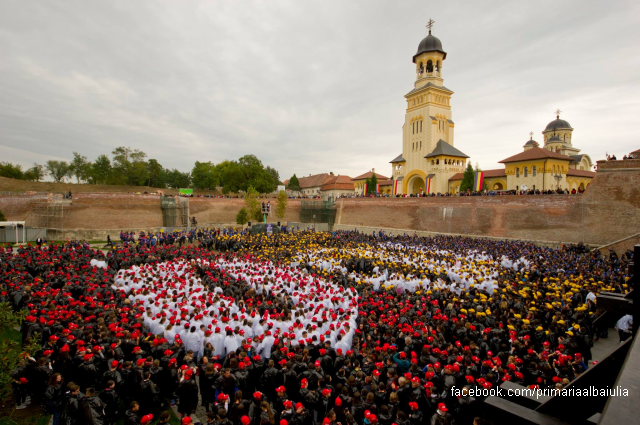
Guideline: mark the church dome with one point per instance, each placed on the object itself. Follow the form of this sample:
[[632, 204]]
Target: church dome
[[555, 139], [532, 143], [430, 44], [558, 124]]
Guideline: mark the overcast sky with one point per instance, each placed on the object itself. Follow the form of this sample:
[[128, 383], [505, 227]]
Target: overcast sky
[[308, 87]]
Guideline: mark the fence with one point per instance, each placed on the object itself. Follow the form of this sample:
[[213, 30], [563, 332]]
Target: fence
[[318, 212], [8, 234]]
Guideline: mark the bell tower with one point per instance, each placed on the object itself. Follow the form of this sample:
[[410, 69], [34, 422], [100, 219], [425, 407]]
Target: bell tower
[[428, 118]]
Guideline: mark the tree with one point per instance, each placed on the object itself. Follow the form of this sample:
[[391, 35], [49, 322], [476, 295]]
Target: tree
[[176, 179], [281, 204], [79, 167], [205, 176], [367, 182], [12, 171], [242, 216], [2, 217], [254, 208], [467, 179], [100, 170], [373, 182], [275, 176], [294, 183], [35, 173], [156, 175], [58, 170], [125, 162]]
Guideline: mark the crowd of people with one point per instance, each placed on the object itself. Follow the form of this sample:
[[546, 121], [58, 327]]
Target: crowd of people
[[301, 328]]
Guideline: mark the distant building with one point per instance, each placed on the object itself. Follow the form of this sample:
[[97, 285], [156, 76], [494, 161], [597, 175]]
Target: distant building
[[326, 185], [358, 182]]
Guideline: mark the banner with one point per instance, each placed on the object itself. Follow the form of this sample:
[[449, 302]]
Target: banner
[[428, 184], [364, 189], [395, 187], [378, 188], [478, 181], [186, 191]]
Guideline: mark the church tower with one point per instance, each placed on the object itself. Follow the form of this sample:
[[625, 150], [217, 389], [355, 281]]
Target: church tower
[[428, 157]]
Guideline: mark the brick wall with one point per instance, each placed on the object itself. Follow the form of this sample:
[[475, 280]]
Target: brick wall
[[608, 211]]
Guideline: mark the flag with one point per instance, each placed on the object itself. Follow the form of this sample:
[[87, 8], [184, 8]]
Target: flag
[[478, 180], [378, 188], [428, 184], [395, 187], [364, 189]]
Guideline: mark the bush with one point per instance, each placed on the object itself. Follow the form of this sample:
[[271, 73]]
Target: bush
[[11, 353], [242, 216]]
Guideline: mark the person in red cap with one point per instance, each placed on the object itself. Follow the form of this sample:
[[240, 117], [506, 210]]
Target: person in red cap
[[442, 416], [187, 393], [415, 415]]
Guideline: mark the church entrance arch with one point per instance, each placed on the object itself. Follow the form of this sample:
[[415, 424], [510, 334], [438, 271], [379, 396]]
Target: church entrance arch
[[498, 186], [416, 185]]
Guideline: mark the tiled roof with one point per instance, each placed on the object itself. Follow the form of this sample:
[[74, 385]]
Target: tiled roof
[[580, 173], [398, 158], [536, 153], [313, 181], [387, 182], [368, 175], [337, 182], [636, 152], [426, 86], [444, 148]]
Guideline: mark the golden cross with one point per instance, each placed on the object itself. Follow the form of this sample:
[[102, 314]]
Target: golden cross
[[430, 24], [558, 111]]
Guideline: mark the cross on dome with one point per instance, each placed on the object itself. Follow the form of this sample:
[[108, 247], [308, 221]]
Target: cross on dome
[[558, 112], [430, 24], [531, 134]]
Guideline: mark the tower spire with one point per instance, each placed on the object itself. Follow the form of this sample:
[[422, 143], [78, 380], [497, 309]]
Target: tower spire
[[430, 24]]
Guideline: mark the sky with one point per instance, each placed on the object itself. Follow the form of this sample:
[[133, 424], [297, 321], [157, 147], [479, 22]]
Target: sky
[[308, 87]]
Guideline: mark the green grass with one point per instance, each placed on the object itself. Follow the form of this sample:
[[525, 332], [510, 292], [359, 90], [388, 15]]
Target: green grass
[[30, 420]]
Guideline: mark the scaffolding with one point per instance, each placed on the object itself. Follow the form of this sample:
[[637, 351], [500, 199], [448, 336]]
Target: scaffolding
[[318, 212], [175, 211], [50, 213]]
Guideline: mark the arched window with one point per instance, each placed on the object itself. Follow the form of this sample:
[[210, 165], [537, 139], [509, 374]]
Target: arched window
[[437, 162], [526, 172], [534, 171], [517, 172], [429, 66]]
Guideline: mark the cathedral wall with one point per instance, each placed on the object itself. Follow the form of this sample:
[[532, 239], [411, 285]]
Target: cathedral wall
[[609, 210]]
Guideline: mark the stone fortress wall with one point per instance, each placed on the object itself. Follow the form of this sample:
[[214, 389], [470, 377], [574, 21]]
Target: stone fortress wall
[[608, 211]]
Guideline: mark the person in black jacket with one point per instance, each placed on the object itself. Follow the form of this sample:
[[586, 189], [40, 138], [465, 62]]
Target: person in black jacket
[[188, 394], [72, 413], [53, 397], [93, 408], [111, 400], [132, 416]]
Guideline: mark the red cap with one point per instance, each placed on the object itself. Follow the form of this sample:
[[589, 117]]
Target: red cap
[[257, 395], [245, 420], [186, 420], [146, 419], [114, 363], [338, 401], [442, 407], [280, 389], [299, 405]]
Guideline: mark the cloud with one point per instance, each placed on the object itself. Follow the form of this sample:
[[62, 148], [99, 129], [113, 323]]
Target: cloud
[[307, 87]]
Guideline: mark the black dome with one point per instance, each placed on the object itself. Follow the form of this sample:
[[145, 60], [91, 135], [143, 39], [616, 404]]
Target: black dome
[[430, 44], [531, 142], [558, 124]]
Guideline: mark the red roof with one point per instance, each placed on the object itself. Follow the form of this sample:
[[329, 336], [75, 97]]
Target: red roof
[[337, 182], [580, 173], [487, 174], [313, 181], [536, 153], [636, 152], [387, 182], [368, 175]]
